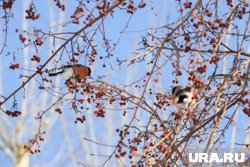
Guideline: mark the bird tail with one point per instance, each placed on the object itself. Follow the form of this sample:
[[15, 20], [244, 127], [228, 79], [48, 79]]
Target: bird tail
[[55, 74]]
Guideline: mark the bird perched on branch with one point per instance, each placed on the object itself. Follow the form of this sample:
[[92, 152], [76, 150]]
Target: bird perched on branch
[[75, 71], [182, 97]]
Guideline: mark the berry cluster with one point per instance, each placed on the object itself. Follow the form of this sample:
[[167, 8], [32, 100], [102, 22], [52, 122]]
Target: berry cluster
[[197, 81], [215, 59], [78, 12], [13, 113], [31, 13], [39, 41], [14, 66], [187, 5], [35, 140], [246, 104], [80, 119], [60, 5], [36, 58], [99, 113], [7, 4], [22, 38], [202, 69]]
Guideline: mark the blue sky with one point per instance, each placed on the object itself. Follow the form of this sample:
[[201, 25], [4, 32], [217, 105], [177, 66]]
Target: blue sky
[[99, 129]]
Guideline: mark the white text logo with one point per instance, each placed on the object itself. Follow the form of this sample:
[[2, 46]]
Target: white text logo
[[213, 157]]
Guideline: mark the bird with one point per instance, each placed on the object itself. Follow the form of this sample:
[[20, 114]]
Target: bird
[[76, 72], [182, 97]]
